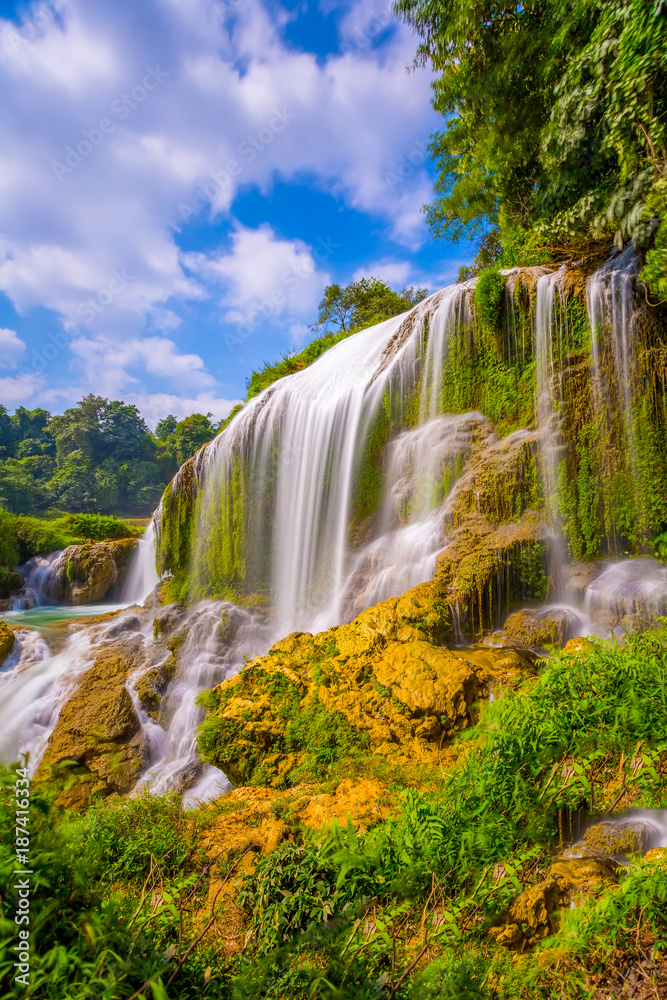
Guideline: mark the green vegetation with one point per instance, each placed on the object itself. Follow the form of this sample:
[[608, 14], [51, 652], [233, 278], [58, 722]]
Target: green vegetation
[[21, 537], [555, 126], [325, 738], [98, 456], [122, 892]]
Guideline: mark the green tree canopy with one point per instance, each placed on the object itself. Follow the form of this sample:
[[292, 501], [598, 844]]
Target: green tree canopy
[[555, 117], [362, 303]]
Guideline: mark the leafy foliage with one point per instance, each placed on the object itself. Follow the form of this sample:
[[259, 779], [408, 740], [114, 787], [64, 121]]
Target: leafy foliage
[[538, 171], [98, 456]]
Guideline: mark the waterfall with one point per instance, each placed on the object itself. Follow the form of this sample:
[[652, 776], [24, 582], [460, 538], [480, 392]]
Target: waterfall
[[548, 306], [611, 308], [281, 483], [141, 578], [34, 685], [42, 582]]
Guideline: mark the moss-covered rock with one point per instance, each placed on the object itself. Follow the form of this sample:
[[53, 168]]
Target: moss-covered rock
[[532, 916], [87, 573], [377, 685], [97, 745], [6, 641], [537, 627]]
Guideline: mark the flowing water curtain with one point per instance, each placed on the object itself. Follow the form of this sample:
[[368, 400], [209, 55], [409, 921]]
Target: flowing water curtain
[[628, 366]]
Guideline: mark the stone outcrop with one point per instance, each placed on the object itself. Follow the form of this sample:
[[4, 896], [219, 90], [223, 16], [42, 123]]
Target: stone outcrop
[[532, 916], [87, 573], [383, 675], [97, 740], [6, 641], [535, 627], [618, 838]]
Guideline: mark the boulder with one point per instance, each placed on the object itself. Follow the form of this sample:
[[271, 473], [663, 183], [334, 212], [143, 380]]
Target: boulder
[[535, 627], [431, 681], [87, 573], [6, 641], [97, 740], [531, 916], [585, 874], [618, 838]]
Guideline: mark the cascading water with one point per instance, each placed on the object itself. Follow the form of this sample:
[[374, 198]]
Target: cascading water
[[41, 587], [290, 462], [142, 577], [610, 298], [34, 684], [548, 305]]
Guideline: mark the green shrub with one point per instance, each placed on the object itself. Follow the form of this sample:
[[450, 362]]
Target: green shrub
[[489, 298], [39, 536], [9, 549]]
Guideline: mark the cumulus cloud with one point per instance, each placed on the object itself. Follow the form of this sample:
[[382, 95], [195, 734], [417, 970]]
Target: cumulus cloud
[[264, 273], [147, 120], [12, 348]]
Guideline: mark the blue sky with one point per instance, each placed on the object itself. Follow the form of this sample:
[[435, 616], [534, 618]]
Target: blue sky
[[182, 178]]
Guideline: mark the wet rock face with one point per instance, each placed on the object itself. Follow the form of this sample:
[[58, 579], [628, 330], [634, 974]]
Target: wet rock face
[[533, 627], [6, 641], [98, 735], [618, 838], [402, 693], [87, 573]]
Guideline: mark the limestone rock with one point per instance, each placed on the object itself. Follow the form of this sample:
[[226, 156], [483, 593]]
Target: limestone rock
[[6, 641], [168, 619], [98, 738], [402, 693], [618, 838], [430, 681], [537, 627], [531, 916], [87, 573], [585, 874]]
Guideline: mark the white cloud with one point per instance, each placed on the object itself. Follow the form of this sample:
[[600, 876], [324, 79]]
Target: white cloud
[[264, 272], [394, 272], [12, 348], [236, 107]]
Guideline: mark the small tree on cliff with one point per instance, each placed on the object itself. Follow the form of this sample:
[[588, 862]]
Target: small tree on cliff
[[362, 303]]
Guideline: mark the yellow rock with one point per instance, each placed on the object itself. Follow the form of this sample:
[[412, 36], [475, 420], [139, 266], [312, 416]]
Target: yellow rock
[[430, 681], [6, 641]]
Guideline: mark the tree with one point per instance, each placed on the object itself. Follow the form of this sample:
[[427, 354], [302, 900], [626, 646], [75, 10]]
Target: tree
[[7, 434], [555, 117], [166, 427], [363, 303], [123, 434], [191, 433]]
